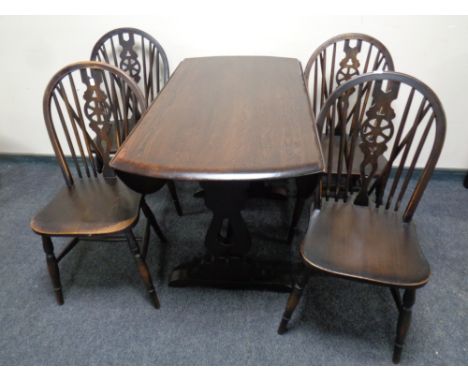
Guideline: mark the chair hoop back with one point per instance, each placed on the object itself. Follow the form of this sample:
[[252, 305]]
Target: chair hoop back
[[89, 108], [382, 113], [138, 54], [341, 58]]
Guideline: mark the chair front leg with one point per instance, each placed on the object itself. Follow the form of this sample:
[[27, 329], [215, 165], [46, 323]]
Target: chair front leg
[[306, 186], [175, 198], [142, 267], [293, 300], [404, 321], [52, 266], [298, 207], [152, 220]]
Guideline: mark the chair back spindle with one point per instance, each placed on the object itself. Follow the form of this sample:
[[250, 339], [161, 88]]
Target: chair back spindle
[[340, 59], [88, 108], [138, 54], [392, 114]]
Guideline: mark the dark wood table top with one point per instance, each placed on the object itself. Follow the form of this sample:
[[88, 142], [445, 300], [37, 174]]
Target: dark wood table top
[[227, 118]]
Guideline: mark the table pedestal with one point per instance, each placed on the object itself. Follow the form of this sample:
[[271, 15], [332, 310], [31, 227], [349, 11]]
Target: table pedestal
[[228, 242]]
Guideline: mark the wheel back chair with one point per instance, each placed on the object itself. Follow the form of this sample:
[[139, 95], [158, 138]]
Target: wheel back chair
[[336, 61], [88, 109], [369, 235], [143, 58]]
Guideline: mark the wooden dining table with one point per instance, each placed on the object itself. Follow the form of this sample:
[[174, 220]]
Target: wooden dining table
[[225, 122]]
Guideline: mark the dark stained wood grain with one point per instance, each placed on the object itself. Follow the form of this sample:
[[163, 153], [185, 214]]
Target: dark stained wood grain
[[364, 243], [340, 59], [370, 237], [93, 206], [227, 118], [143, 58], [336, 61], [94, 105], [358, 157], [138, 54]]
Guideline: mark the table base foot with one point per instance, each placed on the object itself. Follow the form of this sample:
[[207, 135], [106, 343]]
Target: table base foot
[[234, 273]]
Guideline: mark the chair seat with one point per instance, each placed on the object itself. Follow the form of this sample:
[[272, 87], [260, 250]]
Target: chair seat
[[365, 243], [357, 160], [92, 206]]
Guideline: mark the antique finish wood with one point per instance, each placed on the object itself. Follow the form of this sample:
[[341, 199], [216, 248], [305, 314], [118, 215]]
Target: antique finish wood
[[228, 241], [340, 59], [138, 54], [142, 57], [93, 206], [227, 118], [142, 267], [88, 107], [336, 61], [293, 300], [52, 266], [305, 187], [356, 169], [373, 250], [369, 236], [404, 320], [225, 121]]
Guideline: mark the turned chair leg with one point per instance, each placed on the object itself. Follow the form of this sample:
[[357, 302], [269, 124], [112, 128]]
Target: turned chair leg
[[175, 198], [145, 244], [306, 186], [298, 207], [52, 266], [293, 300], [152, 220], [404, 321], [142, 267]]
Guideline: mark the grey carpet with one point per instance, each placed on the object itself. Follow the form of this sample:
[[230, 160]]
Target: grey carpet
[[107, 318]]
